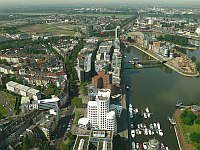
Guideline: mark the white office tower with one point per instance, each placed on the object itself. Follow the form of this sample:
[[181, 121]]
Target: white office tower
[[103, 102], [92, 114], [98, 112], [117, 43], [111, 123]]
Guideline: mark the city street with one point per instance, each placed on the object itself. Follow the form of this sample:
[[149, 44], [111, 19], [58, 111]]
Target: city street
[[63, 126]]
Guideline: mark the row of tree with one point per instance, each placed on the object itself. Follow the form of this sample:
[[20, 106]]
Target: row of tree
[[176, 39]]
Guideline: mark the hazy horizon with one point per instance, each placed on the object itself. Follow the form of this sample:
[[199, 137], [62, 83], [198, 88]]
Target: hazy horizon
[[170, 3]]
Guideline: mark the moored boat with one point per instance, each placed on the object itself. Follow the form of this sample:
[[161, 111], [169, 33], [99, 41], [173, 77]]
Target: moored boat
[[147, 110], [160, 132], [148, 115], [144, 145], [146, 131], [149, 131], [133, 145], [137, 145], [133, 133], [145, 115], [158, 125]]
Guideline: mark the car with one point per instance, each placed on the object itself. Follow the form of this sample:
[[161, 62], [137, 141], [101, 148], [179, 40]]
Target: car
[[69, 125]]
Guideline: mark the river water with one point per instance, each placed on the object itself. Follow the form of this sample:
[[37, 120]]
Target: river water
[[159, 89]]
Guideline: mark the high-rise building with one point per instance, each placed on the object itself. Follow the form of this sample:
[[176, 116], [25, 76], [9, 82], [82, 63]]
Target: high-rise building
[[99, 114], [89, 30]]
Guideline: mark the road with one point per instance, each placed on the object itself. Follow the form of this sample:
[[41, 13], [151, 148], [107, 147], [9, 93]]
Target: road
[[59, 134]]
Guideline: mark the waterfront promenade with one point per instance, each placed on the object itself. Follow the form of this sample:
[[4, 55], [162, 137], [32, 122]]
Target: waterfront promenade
[[155, 56]]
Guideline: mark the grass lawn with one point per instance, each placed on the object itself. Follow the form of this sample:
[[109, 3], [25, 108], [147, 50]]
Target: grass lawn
[[3, 110], [187, 130], [9, 97], [57, 29]]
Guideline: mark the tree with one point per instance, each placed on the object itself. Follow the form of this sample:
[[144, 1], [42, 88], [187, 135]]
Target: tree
[[70, 135], [195, 137], [76, 101], [187, 117], [197, 121], [26, 144], [83, 89], [193, 59]]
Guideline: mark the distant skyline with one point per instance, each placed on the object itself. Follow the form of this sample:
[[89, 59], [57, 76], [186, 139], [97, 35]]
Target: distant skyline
[[170, 3]]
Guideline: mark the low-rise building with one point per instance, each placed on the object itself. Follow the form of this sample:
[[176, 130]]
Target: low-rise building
[[23, 90]]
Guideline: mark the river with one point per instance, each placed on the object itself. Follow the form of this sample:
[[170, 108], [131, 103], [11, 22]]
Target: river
[[159, 89]]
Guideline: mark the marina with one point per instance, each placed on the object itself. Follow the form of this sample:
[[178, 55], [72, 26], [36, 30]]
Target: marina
[[140, 81]]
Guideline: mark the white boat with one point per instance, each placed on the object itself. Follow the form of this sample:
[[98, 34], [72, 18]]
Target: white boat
[[136, 110], [167, 148], [133, 145], [131, 115], [141, 125], [146, 131], [150, 133], [127, 87], [151, 126], [144, 145], [160, 132], [148, 115], [147, 110], [140, 132], [155, 125], [137, 145], [137, 131], [138, 65], [130, 107], [145, 115], [132, 125], [133, 133], [144, 126], [171, 120], [138, 125], [158, 125]]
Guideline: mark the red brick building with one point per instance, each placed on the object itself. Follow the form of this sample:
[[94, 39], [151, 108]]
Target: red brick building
[[103, 80]]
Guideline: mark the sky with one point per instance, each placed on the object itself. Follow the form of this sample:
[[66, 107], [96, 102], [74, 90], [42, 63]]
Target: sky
[[61, 2]]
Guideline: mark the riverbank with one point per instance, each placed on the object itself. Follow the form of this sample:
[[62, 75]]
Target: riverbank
[[153, 55], [180, 137], [180, 72]]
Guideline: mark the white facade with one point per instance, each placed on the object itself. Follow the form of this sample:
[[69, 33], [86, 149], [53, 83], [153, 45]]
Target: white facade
[[23, 90], [111, 123], [99, 114], [103, 108], [92, 114]]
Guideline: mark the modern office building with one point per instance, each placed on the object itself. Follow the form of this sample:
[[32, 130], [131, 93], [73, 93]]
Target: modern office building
[[99, 114]]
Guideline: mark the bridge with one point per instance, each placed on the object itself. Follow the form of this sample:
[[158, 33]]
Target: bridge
[[146, 62]]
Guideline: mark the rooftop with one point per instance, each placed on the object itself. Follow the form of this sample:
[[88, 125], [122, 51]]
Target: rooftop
[[102, 134], [82, 142]]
